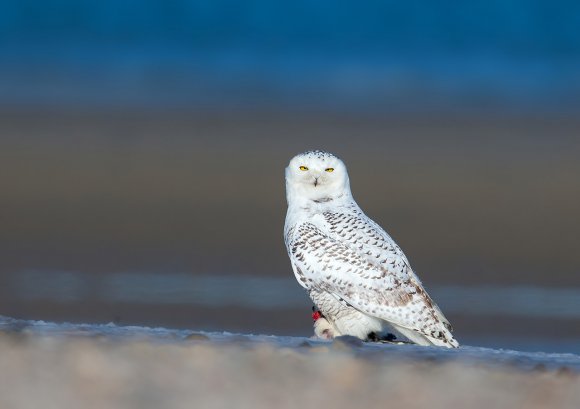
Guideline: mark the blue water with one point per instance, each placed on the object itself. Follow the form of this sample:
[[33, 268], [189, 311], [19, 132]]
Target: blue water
[[370, 55]]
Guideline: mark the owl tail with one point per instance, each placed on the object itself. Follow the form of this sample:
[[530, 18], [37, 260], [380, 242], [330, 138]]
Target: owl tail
[[446, 340]]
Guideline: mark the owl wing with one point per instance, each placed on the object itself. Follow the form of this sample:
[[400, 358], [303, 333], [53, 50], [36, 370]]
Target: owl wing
[[384, 286], [361, 234]]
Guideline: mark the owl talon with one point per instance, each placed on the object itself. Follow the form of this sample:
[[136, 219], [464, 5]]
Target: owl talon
[[384, 338]]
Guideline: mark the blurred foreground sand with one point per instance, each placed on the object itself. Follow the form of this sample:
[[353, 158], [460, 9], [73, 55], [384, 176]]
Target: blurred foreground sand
[[68, 372]]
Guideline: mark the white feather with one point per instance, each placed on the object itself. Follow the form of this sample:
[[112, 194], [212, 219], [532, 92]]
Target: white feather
[[354, 271]]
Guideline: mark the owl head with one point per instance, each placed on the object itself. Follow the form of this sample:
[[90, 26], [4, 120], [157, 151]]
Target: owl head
[[317, 176]]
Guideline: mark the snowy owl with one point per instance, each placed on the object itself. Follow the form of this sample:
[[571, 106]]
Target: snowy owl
[[355, 273]]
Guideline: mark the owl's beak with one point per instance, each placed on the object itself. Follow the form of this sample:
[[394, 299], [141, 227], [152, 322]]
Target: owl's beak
[[315, 181]]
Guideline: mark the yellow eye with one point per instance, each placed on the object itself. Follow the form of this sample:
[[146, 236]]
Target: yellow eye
[[329, 170], [304, 168]]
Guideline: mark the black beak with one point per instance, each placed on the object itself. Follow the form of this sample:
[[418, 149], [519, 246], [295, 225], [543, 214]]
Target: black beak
[[315, 182]]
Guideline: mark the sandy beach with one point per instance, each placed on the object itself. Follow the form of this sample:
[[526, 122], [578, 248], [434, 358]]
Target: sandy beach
[[97, 373], [64, 366]]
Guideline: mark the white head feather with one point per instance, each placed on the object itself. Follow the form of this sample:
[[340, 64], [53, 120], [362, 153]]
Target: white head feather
[[316, 176]]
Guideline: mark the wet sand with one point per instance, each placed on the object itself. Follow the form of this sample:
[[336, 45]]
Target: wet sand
[[471, 200]]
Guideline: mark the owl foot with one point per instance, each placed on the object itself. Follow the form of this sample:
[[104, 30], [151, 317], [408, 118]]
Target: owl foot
[[323, 329]]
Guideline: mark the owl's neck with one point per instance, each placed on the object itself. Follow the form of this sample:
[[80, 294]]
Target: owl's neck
[[304, 197]]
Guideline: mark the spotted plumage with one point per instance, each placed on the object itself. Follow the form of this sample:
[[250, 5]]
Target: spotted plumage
[[355, 273]]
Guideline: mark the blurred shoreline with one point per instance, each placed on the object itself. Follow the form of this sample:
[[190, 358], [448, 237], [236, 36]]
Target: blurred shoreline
[[527, 319]]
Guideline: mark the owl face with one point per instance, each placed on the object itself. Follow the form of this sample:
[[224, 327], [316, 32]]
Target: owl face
[[316, 175]]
